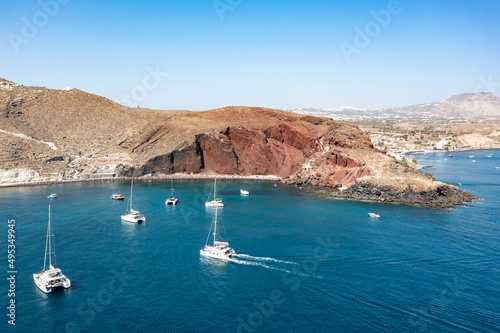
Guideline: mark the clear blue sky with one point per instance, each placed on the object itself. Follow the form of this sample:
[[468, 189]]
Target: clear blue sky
[[268, 53]]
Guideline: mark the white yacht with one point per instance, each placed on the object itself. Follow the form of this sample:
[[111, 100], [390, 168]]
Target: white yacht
[[374, 215], [218, 250], [172, 200], [244, 192], [131, 215], [216, 202], [51, 278]]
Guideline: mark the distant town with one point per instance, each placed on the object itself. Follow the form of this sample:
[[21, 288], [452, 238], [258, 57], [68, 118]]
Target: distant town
[[462, 122]]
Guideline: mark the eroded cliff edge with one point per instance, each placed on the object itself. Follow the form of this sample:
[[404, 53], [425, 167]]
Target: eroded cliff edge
[[55, 134]]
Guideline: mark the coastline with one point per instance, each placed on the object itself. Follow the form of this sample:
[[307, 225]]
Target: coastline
[[157, 177], [452, 151]]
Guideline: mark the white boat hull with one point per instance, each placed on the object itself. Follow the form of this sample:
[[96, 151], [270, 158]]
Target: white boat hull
[[210, 252], [171, 201], [133, 218], [44, 286], [214, 203]]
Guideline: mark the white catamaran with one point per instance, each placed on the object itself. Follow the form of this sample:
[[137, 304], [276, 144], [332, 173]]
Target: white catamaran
[[52, 278], [171, 200], [131, 215], [217, 202], [219, 250]]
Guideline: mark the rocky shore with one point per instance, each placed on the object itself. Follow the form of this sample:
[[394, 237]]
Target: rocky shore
[[69, 135], [444, 196]]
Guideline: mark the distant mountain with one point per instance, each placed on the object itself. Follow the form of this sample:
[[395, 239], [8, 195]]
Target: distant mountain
[[465, 106]]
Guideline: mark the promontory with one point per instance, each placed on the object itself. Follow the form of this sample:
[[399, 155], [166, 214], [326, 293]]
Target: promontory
[[69, 134]]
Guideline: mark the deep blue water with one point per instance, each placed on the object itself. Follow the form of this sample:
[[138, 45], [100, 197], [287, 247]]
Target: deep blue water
[[324, 265]]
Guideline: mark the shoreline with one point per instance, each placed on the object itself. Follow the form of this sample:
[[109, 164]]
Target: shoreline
[[450, 151], [159, 177]]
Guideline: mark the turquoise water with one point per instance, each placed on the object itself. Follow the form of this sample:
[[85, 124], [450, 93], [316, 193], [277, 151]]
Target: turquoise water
[[308, 263]]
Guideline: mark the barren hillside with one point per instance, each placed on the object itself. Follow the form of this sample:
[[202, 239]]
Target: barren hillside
[[70, 134]]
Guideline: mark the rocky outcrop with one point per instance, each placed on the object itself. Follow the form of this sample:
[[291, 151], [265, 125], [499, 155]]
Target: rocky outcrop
[[18, 176], [97, 138], [443, 196]]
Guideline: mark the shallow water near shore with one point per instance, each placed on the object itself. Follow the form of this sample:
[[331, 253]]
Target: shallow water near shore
[[305, 262]]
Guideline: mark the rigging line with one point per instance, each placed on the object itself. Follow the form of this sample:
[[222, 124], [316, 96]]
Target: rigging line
[[209, 194], [209, 232]]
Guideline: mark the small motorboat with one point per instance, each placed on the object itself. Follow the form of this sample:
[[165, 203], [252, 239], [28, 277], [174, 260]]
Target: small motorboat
[[244, 192], [52, 196], [471, 156], [117, 196], [473, 161], [374, 215]]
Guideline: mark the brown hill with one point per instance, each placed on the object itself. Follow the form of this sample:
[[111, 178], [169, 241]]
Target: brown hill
[[71, 134]]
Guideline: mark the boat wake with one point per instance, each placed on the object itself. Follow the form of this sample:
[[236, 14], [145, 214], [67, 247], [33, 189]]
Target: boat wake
[[246, 256], [256, 263], [265, 262]]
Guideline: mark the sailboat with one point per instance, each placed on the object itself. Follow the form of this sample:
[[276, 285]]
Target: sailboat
[[51, 278], [218, 250], [171, 200], [217, 202], [131, 215]]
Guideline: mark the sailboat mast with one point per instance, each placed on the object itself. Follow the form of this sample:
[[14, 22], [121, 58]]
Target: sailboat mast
[[46, 242], [215, 189], [131, 194], [172, 186], [50, 242], [215, 224]]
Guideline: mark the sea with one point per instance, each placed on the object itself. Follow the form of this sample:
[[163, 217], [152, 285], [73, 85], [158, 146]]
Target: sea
[[305, 262]]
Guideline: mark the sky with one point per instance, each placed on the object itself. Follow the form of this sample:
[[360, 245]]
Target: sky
[[200, 55]]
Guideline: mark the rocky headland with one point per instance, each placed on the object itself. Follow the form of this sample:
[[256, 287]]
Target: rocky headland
[[69, 134]]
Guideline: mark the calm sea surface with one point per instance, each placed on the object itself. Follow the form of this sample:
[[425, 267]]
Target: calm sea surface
[[307, 263]]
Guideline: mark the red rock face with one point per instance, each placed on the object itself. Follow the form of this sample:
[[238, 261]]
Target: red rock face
[[278, 150], [302, 149]]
